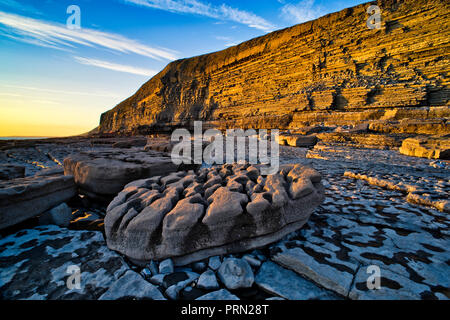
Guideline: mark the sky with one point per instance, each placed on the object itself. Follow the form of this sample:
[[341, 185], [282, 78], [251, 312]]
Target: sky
[[63, 63]]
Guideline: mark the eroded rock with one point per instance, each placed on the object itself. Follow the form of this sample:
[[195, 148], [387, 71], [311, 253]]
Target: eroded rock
[[106, 172], [427, 147], [157, 219]]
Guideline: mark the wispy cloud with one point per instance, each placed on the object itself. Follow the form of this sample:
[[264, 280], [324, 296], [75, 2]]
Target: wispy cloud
[[26, 89], [115, 67], [222, 12], [302, 11], [53, 35]]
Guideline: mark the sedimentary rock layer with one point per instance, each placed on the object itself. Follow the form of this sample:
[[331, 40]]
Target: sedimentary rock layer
[[432, 148], [334, 70], [188, 216], [23, 198]]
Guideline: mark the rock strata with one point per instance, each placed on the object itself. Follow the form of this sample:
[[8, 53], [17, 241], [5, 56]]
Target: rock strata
[[333, 70], [21, 199], [190, 216]]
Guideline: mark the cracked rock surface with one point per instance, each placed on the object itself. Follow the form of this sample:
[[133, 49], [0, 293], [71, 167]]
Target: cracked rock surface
[[35, 264]]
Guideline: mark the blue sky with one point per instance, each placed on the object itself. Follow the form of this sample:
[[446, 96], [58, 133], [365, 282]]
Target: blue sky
[[57, 81]]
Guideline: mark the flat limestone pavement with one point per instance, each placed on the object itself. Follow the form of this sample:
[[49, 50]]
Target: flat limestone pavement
[[39, 263]]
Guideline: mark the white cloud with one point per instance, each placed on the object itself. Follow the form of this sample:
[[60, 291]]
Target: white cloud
[[53, 35], [222, 12], [115, 67], [25, 91], [301, 12]]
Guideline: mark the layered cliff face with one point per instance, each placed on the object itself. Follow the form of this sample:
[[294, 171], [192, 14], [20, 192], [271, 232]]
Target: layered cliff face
[[333, 70]]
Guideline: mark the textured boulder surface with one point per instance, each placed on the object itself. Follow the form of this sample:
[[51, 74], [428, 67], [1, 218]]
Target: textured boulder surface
[[189, 216], [107, 171], [23, 198], [333, 70]]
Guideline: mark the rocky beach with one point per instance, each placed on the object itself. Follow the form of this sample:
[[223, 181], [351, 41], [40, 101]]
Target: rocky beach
[[357, 120], [374, 207]]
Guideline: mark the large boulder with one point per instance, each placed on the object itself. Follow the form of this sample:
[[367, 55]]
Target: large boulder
[[427, 147], [106, 172], [190, 216], [24, 198]]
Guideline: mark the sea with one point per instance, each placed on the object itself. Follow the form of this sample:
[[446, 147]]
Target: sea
[[22, 138]]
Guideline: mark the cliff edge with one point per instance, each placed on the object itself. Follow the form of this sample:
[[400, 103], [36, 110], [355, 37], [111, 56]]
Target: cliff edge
[[333, 70]]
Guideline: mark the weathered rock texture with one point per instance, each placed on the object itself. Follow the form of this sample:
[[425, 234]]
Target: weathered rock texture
[[333, 70], [106, 172], [37, 263], [24, 198], [188, 216], [432, 148]]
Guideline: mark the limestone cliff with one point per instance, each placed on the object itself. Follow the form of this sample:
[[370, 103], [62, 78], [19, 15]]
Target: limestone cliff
[[333, 70]]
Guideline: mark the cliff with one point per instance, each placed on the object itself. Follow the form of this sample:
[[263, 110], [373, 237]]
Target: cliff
[[333, 70]]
